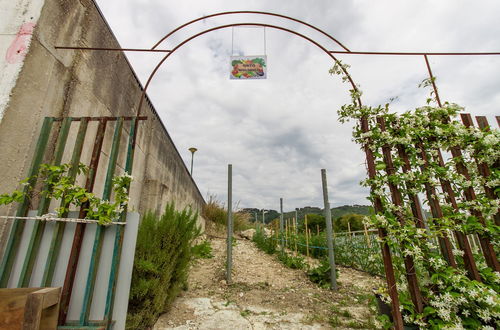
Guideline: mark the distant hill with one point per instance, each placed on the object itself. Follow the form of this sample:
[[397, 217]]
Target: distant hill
[[337, 212]]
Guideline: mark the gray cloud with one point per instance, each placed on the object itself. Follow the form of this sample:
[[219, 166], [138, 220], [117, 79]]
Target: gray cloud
[[280, 132]]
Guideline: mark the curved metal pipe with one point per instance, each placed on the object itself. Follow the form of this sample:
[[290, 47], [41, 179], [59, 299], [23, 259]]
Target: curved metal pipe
[[250, 12], [153, 73]]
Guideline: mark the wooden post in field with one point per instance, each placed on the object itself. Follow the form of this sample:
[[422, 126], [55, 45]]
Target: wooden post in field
[[286, 233], [367, 237], [307, 235], [349, 229], [317, 230], [295, 231]]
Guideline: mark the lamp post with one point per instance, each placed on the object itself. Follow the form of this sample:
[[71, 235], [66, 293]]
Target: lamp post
[[193, 150], [263, 218]]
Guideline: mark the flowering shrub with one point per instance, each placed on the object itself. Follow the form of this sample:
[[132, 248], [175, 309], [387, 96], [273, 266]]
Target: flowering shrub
[[59, 184], [451, 297]]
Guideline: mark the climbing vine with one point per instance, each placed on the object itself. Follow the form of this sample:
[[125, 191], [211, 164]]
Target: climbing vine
[[59, 184], [415, 139]]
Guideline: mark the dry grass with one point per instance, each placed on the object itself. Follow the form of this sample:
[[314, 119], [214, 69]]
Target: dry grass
[[216, 212]]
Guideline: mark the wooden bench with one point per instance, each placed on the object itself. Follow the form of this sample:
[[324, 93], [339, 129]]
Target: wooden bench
[[29, 308]]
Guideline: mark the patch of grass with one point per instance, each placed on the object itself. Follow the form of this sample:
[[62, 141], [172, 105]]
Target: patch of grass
[[334, 321], [215, 211], [202, 250], [245, 313], [356, 324]]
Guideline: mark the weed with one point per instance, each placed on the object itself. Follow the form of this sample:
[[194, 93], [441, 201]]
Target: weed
[[291, 261], [321, 274], [334, 321], [202, 250], [245, 313], [355, 324]]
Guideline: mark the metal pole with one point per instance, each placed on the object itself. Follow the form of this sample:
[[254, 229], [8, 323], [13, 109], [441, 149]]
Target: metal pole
[[263, 218], [229, 262], [296, 220], [329, 238], [281, 226]]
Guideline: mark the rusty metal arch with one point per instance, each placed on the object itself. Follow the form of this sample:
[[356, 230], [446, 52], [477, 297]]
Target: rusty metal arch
[[250, 12], [155, 70]]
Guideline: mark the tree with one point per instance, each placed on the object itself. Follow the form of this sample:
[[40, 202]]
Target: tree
[[314, 220], [355, 221]]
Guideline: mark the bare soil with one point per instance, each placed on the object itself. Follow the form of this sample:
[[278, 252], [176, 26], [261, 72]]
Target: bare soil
[[265, 294]]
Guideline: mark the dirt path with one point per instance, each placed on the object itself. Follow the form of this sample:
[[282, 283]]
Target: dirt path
[[267, 295]]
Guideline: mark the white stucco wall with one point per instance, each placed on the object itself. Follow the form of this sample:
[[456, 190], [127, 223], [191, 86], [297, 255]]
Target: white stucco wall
[[17, 20]]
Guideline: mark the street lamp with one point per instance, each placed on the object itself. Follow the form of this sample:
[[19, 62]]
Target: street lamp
[[193, 150], [263, 219]]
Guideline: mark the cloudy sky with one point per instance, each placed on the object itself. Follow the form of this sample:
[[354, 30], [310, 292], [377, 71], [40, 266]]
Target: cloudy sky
[[278, 133]]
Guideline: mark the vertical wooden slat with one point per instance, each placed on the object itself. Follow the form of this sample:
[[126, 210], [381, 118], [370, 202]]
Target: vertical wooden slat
[[386, 253], [80, 227], [18, 226], [397, 199], [43, 207], [444, 241], [120, 231], [484, 170], [463, 242], [99, 235], [57, 235], [487, 247]]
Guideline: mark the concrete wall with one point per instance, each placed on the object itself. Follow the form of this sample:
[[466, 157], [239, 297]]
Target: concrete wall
[[44, 82]]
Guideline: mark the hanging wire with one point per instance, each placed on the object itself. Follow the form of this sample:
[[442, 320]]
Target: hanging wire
[[265, 51], [232, 41]]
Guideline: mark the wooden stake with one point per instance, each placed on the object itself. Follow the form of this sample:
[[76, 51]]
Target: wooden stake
[[367, 237], [307, 235], [295, 231]]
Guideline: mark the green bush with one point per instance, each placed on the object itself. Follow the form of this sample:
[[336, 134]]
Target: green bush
[[321, 274], [355, 222], [266, 244], [162, 259], [294, 262]]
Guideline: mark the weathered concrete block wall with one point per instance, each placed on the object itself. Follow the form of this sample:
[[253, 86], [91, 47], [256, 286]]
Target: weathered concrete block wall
[[59, 83]]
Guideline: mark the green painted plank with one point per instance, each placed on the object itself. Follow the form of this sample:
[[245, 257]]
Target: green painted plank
[[57, 235], [39, 226], [120, 230], [18, 226], [99, 235]]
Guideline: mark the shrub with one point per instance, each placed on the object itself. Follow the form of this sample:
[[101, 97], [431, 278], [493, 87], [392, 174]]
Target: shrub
[[162, 259], [214, 211], [321, 274], [266, 244], [294, 262]]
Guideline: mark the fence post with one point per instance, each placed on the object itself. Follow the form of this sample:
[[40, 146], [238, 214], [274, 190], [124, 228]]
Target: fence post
[[229, 261], [307, 235], [329, 238], [281, 226]]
